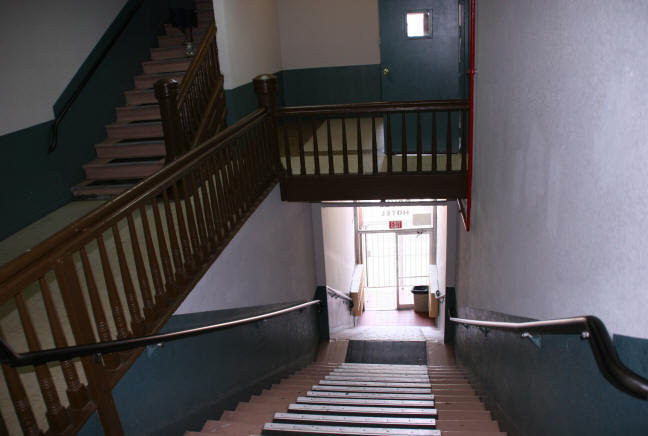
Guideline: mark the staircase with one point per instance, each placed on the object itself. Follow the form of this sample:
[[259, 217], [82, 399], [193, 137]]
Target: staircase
[[367, 399], [134, 146]]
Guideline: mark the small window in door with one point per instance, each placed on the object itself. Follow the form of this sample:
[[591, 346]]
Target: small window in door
[[418, 24]]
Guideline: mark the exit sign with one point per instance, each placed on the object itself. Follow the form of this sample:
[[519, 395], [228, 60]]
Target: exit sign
[[395, 224]]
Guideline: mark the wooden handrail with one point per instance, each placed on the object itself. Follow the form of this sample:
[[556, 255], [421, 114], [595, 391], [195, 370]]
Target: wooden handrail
[[374, 107], [196, 62], [62, 239]]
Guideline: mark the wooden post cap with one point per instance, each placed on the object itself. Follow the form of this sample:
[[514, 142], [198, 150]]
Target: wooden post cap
[[265, 87], [165, 88]]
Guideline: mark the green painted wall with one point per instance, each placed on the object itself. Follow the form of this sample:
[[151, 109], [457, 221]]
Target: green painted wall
[[35, 182], [175, 388], [556, 390]]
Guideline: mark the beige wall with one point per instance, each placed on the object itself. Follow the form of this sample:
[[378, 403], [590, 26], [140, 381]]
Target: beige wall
[[317, 33], [338, 233], [43, 45], [248, 39]]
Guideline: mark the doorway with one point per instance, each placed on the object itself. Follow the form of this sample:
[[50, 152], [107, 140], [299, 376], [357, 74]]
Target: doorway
[[397, 247]]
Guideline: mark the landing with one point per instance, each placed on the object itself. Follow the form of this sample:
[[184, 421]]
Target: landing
[[392, 325]]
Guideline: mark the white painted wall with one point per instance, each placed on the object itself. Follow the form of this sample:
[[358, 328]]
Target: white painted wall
[[270, 260], [248, 39], [331, 33], [560, 178], [43, 45], [338, 232]]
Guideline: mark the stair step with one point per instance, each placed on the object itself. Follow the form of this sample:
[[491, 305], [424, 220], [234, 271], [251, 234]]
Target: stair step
[[177, 39], [370, 395], [373, 384], [166, 65], [130, 113], [135, 130], [146, 81], [307, 418], [363, 410], [465, 414], [202, 27], [140, 97], [123, 168], [113, 148], [277, 428], [170, 52], [212, 426], [102, 188], [366, 402], [467, 425], [352, 371], [379, 378], [376, 389], [385, 366]]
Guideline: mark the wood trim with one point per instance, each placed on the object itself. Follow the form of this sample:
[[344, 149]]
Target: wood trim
[[449, 185], [374, 107]]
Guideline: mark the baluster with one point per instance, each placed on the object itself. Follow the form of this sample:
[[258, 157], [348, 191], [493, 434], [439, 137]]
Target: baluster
[[142, 276], [234, 182], [191, 221], [464, 140], [98, 381], [300, 137], [76, 392], [112, 359], [260, 140], [389, 143], [241, 160], [23, 408], [315, 147], [404, 143], [374, 145], [434, 142], [189, 260], [113, 296], [449, 144], [137, 323], [287, 149], [217, 199], [3, 427], [208, 204], [419, 144], [166, 92], [173, 239], [360, 163], [57, 416], [200, 217], [160, 294], [345, 153], [257, 163], [330, 146], [225, 196]]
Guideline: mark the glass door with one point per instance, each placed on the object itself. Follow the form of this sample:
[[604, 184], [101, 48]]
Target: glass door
[[413, 258]]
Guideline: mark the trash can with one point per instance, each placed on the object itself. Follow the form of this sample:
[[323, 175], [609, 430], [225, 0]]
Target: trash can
[[421, 298]]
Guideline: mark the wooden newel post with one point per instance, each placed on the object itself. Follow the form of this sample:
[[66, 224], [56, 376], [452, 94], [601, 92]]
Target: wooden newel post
[[265, 87], [166, 92]]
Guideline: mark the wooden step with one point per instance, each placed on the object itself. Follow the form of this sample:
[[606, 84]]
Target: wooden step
[[369, 421], [202, 27], [170, 52], [473, 405], [385, 366], [212, 426], [472, 433], [113, 148], [365, 410], [380, 378], [467, 425], [278, 428], [465, 414], [370, 395], [128, 168], [377, 402], [130, 113], [377, 389], [101, 188], [146, 81], [166, 65], [135, 130], [140, 96], [177, 39]]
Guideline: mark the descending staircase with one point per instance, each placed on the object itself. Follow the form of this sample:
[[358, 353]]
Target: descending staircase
[[134, 146], [367, 399]]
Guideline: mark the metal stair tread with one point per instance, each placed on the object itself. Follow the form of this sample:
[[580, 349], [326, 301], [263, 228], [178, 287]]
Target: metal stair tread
[[324, 430], [377, 389], [356, 420], [386, 396], [366, 401], [375, 384], [368, 410]]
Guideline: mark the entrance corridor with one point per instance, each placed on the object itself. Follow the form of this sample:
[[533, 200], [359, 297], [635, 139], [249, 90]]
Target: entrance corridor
[[392, 325]]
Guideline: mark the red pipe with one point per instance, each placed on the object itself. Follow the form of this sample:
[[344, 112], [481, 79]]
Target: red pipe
[[471, 113]]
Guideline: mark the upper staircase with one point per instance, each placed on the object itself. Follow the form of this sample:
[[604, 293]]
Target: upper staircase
[[368, 399], [134, 147]]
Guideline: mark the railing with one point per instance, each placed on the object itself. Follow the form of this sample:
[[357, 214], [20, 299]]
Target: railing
[[337, 294], [194, 110], [144, 250], [588, 327], [86, 78], [10, 357]]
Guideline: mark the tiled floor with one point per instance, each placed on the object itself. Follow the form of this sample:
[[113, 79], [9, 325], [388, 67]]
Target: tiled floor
[[395, 317]]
